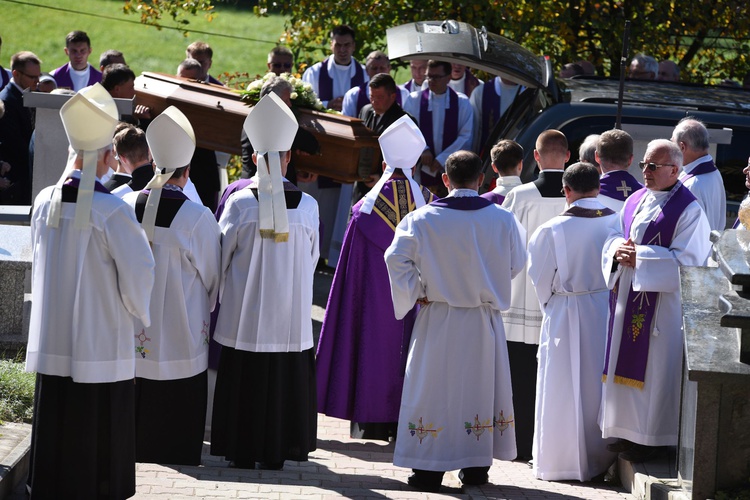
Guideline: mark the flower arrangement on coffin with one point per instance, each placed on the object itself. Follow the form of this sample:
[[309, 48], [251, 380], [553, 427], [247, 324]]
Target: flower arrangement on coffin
[[302, 96]]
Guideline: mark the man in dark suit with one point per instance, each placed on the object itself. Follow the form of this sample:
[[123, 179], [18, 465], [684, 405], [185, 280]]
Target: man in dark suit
[[16, 127], [383, 109]]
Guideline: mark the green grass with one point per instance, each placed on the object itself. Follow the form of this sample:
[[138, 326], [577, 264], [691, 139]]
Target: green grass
[[16, 392], [41, 25]]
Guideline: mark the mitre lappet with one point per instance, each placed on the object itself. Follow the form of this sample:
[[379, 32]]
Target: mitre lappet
[[401, 144], [171, 139], [89, 119], [271, 127]]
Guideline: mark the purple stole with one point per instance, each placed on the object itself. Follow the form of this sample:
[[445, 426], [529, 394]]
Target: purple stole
[[495, 198], [618, 185], [704, 168], [4, 78], [62, 76], [640, 307], [75, 182], [736, 223], [450, 127], [462, 203], [490, 109], [588, 213], [325, 82], [470, 83], [408, 86]]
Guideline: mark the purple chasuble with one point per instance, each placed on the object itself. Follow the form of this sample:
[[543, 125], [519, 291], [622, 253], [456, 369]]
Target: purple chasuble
[[495, 198], [325, 82], [63, 80], [362, 350], [640, 308], [618, 185], [703, 168]]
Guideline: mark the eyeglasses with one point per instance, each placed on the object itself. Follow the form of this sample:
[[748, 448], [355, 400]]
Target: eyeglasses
[[33, 77], [435, 77], [653, 166]]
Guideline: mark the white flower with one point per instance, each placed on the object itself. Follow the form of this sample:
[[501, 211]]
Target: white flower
[[293, 95]]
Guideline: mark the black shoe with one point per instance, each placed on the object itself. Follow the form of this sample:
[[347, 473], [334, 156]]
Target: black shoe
[[426, 480], [639, 453], [241, 464], [474, 476], [620, 445], [270, 465]]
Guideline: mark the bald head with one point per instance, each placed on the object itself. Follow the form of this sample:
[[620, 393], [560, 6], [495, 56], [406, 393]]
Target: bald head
[[691, 136]]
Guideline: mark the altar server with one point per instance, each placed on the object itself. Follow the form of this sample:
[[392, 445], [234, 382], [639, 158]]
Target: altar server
[[92, 274], [172, 353], [265, 405]]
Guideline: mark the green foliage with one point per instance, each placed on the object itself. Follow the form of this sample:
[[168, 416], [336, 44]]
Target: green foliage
[[17, 392], [152, 11], [708, 40]]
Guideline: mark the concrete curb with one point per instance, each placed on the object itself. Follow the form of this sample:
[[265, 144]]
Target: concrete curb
[[14, 465]]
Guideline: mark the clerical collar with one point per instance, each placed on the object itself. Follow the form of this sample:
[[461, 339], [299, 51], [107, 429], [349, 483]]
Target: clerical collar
[[172, 187], [463, 193]]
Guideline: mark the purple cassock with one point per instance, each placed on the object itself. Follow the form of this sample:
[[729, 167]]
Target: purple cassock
[[362, 350]]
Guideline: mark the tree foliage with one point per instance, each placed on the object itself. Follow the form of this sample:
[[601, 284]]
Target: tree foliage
[[709, 40], [152, 12]]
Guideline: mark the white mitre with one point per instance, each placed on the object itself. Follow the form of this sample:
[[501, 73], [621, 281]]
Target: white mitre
[[89, 119], [271, 127], [402, 144], [171, 139]]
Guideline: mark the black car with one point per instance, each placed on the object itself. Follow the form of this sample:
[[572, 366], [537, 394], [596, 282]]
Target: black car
[[582, 106]]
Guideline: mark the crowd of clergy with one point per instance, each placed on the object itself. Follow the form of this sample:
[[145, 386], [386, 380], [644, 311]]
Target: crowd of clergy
[[537, 321]]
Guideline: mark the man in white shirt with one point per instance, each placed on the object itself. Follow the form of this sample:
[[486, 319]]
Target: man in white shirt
[[418, 68], [339, 72], [699, 173], [533, 204], [563, 253], [265, 408], [662, 227], [92, 275], [445, 119], [77, 73], [172, 353], [490, 101], [456, 407], [507, 162]]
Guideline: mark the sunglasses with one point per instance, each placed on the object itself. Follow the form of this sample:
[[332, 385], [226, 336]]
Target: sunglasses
[[653, 166]]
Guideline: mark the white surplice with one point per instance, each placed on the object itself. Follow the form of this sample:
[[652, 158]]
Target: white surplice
[[188, 256], [650, 416], [456, 408], [88, 286], [564, 256], [266, 287], [708, 189], [524, 318]]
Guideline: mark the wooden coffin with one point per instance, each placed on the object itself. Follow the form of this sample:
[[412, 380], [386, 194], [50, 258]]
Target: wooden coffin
[[349, 151]]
